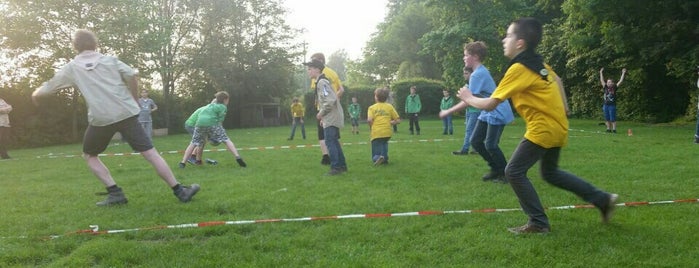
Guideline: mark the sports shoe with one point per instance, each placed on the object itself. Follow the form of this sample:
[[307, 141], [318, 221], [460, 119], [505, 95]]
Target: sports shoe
[[473, 152], [492, 175], [696, 139], [198, 163], [379, 160], [211, 161], [459, 153], [192, 159], [528, 229], [608, 209], [334, 171], [187, 192], [182, 165], [241, 162], [114, 198]]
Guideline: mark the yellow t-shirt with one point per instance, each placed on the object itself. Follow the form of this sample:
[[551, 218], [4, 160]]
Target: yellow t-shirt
[[538, 102], [381, 113], [330, 75], [297, 109]]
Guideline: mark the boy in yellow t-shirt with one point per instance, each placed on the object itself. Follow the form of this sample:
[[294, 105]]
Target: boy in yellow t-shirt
[[538, 96], [297, 112], [381, 117]]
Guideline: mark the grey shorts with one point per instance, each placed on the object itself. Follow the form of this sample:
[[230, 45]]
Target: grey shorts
[[214, 134]]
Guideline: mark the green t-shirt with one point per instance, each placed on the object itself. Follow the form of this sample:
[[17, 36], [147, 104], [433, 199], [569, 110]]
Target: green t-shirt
[[212, 114]]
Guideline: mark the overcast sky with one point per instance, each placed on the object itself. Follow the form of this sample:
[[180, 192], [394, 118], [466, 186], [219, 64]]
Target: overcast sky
[[331, 25]]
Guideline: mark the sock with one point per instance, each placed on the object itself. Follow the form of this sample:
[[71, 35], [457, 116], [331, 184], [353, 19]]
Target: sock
[[113, 189]]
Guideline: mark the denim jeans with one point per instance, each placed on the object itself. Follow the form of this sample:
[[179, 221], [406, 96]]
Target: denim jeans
[[471, 119], [448, 125], [332, 141], [297, 120], [485, 140], [525, 156], [696, 134], [379, 147]]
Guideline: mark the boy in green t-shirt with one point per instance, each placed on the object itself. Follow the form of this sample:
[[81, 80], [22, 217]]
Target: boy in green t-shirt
[[354, 111], [208, 127]]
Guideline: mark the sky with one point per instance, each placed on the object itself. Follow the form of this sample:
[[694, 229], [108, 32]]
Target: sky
[[331, 25]]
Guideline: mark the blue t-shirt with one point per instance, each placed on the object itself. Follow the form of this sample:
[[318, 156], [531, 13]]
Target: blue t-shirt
[[482, 85]]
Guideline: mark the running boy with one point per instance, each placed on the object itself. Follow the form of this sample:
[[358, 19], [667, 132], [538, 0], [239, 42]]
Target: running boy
[[110, 89], [537, 94], [381, 117]]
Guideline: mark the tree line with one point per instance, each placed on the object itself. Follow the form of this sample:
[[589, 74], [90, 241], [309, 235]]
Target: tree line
[[657, 41], [186, 50]]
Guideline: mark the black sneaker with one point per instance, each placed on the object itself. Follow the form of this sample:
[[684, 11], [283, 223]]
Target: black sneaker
[[182, 165], [608, 209], [211, 161], [528, 229], [114, 198], [241, 162], [459, 153], [696, 139], [187, 192], [492, 175], [334, 171]]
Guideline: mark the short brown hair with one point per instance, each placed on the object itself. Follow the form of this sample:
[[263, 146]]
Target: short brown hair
[[221, 96], [319, 57], [477, 48], [84, 40], [381, 94]]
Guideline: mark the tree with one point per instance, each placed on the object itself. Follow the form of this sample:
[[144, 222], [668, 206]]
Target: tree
[[655, 41], [394, 52]]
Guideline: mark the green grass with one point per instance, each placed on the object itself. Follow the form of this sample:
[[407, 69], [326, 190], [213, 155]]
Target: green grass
[[45, 196]]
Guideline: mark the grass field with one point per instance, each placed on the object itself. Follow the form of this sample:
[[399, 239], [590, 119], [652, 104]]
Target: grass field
[[50, 191]]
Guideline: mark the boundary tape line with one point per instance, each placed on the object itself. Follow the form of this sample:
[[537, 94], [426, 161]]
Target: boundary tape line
[[258, 148], [94, 229]]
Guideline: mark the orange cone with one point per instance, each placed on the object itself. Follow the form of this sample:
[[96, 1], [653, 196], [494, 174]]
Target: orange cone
[[630, 133]]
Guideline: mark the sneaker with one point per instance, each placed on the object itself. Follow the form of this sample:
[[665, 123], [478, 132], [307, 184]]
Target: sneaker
[[192, 159], [608, 209], [198, 163], [211, 161], [492, 175], [473, 152], [290, 139], [343, 169], [334, 171], [609, 131], [379, 161], [696, 139], [115, 198], [241, 162], [182, 165], [500, 179], [459, 153], [185, 195], [528, 229], [614, 131]]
